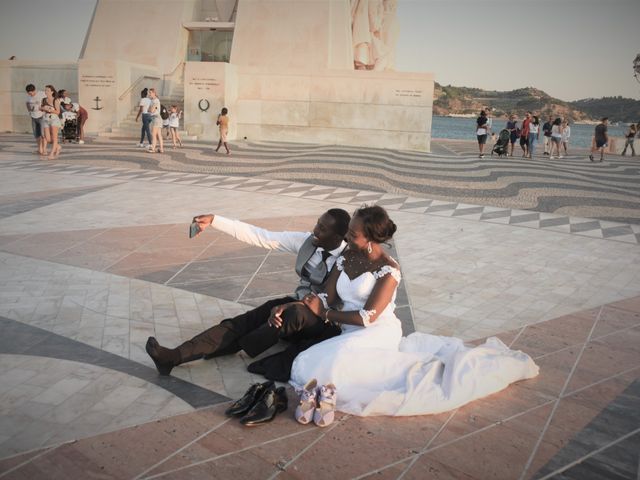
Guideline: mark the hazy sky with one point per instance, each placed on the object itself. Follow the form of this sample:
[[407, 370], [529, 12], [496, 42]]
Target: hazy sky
[[569, 48]]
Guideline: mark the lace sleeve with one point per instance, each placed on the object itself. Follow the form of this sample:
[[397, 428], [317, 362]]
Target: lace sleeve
[[366, 316], [340, 262], [388, 269]]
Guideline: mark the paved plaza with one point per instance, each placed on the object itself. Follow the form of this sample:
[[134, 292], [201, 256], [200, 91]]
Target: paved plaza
[[94, 258]]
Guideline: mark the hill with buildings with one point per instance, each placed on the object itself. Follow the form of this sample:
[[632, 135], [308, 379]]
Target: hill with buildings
[[449, 100]]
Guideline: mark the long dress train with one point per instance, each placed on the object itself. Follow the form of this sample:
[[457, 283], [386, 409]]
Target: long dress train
[[378, 372]]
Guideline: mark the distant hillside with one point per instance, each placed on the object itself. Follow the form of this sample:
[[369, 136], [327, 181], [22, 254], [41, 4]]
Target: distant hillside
[[618, 109], [450, 100]]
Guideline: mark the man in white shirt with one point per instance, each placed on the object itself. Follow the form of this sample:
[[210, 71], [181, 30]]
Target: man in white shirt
[[34, 101], [255, 331]]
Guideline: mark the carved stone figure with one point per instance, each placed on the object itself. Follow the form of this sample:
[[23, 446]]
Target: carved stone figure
[[374, 27]]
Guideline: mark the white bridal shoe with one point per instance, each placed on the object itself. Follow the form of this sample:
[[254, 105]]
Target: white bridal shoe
[[325, 412], [308, 401]]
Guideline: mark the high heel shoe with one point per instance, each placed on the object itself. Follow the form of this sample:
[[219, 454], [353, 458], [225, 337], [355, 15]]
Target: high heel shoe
[[325, 413], [248, 400], [164, 358], [266, 408], [308, 402]]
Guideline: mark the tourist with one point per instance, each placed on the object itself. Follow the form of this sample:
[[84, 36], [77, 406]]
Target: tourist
[[143, 110], [165, 115], [34, 101], [534, 129], [83, 116], [556, 138], [370, 369], [524, 134], [51, 120], [253, 331], [600, 140], [69, 120], [174, 124], [512, 126], [223, 126], [629, 138], [490, 124], [546, 132], [156, 123], [566, 135], [481, 132], [81, 113]]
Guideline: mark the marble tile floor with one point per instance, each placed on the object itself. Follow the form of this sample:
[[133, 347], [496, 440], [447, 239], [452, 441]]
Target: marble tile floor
[[579, 419], [94, 259]]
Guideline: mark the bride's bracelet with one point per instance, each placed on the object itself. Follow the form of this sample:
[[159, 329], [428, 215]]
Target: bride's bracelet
[[326, 315]]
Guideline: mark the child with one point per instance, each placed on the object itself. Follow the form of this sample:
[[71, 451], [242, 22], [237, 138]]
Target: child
[[69, 123], [174, 124], [165, 125], [223, 125]]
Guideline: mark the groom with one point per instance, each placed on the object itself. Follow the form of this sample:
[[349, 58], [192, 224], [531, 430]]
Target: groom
[[257, 330]]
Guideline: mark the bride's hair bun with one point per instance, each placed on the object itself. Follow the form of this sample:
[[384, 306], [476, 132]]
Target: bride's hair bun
[[378, 227]]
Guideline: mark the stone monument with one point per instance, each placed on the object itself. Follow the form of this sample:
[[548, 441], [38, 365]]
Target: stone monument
[[299, 73], [313, 71]]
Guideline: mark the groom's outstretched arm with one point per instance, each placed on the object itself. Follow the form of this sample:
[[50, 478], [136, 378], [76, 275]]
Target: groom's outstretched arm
[[252, 235]]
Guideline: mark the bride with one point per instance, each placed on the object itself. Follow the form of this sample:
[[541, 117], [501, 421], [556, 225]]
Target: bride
[[374, 369]]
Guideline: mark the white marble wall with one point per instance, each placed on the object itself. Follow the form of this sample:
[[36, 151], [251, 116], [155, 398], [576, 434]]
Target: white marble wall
[[118, 86], [301, 34], [360, 108], [16, 75], [213, 83], [147, 32]]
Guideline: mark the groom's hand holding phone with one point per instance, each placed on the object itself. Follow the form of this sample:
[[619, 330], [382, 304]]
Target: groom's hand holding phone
[[199, 223]]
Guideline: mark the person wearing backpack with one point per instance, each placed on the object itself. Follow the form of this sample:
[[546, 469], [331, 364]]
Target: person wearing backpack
[[164, 114]]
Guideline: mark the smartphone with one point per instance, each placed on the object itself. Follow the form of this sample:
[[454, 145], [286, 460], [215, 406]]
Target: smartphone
[[194, 229]]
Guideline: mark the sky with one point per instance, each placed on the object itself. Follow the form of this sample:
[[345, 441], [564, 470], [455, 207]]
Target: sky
[[571, 49]]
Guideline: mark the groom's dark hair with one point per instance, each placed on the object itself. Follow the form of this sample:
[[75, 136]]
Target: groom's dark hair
[[342, 219]]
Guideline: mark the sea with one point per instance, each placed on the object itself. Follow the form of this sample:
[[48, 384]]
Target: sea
[[462, 128]]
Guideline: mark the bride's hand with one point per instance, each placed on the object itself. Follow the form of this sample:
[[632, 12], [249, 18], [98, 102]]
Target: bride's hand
[[314, 304]]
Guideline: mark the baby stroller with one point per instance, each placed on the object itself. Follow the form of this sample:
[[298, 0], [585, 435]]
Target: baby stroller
[[70, 130], [501, 146]]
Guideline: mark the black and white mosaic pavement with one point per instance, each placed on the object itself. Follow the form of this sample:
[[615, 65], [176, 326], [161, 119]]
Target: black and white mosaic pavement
[[570, 195]]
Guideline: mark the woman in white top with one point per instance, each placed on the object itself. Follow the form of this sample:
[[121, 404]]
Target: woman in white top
[[566, 134], [51, 120], [156, 122], [556, 137], [174, 124], [534, 129]]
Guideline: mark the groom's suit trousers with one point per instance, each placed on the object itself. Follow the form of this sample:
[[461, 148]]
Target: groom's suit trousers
[[250, 332]]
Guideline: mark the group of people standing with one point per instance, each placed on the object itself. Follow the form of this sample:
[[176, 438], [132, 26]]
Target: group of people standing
[[555, 133], [156, 117], [154, 114], [48, 109]]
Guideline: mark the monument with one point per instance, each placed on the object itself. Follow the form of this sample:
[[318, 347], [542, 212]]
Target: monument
[[313, 71]]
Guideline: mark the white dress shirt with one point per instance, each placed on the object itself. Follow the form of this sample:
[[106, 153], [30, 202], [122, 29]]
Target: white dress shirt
[[281, 241]]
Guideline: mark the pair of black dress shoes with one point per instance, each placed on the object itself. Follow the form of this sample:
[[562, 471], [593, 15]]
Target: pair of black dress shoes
[[260, 404]]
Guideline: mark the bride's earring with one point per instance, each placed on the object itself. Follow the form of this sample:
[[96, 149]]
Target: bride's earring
[[369, 249]]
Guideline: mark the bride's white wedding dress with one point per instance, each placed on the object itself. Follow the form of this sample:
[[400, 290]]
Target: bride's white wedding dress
[[378, 372]]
